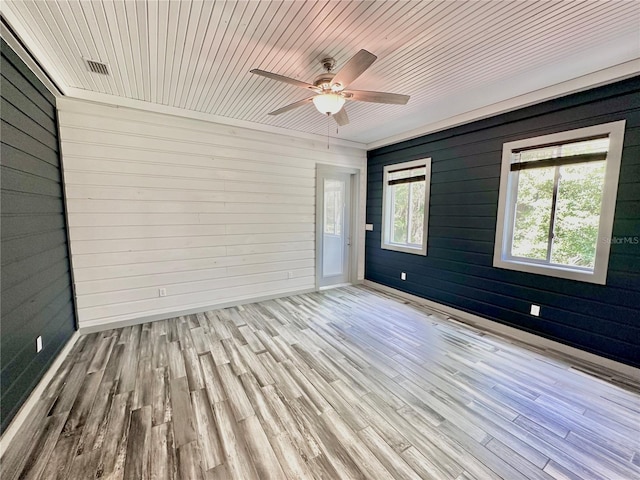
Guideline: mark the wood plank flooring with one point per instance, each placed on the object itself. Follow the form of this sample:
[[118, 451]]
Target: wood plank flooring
[[348, 383]]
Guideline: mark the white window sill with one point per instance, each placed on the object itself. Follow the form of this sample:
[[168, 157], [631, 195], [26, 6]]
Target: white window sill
[[405, 249], [553, 271]]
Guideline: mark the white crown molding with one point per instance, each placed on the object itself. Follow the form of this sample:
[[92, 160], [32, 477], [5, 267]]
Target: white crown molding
[[579, 84], [113, 100], [23, 35], [17, 47], [73, 92]]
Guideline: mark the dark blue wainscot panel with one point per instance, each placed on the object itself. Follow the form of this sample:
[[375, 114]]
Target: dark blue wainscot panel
[[458, 271]]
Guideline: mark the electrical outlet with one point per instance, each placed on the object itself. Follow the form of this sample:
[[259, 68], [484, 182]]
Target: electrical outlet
[[38, 344], [162, 292], [403, 276], [290, 275], [535, 310], [369, 227]]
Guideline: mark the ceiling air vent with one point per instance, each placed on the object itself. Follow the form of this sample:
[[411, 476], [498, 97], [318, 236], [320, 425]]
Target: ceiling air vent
[[97, 67]]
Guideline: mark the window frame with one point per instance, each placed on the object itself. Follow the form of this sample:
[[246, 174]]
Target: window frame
[[387, 216], [508, 195]]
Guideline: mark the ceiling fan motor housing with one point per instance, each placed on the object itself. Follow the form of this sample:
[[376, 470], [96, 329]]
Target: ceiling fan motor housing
[[328, 63], [329, 88], [324, 81]]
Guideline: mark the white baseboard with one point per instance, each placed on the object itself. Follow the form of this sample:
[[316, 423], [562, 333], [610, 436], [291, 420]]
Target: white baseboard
[[337, 285], [24, 412], [513, 333], [108, 325]]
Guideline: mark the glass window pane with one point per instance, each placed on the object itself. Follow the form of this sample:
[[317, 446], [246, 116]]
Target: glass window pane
[[338, 208], [329, 212], [333, 201], [399, 208], [333, 254], [578, 214], [417, 213], [533, 213]]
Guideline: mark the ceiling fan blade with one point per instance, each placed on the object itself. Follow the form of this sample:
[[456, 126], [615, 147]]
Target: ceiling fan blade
[[282, 78], [291, 106], [341, 117], [376, 97], [354, 68]]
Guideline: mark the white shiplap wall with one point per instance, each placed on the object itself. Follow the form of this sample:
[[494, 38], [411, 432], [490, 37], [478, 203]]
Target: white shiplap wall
[[215, 214]]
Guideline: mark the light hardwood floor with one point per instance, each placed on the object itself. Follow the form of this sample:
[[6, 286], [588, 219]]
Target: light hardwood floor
[[347, 383]]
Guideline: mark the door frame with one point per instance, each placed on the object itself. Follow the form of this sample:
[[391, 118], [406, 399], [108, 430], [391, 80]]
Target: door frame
[[354, 175]]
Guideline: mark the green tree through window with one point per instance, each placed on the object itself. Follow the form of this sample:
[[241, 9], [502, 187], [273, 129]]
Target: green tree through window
[[557, 210], [405, 207], [578, 214], [557, 202]]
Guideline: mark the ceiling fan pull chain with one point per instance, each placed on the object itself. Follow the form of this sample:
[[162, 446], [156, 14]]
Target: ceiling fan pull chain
[[330, 88], [328, 128]]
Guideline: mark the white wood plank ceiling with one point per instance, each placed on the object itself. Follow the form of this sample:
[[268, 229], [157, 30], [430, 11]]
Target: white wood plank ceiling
[[450, 56]]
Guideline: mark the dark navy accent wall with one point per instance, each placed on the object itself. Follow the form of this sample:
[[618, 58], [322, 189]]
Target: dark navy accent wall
[[458, 271], [36, 285]]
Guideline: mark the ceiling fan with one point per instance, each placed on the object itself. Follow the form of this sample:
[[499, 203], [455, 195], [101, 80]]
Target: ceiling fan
[[331, 89]]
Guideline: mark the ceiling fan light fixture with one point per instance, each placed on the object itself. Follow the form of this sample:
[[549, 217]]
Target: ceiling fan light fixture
[[328, 103], [331, 88]]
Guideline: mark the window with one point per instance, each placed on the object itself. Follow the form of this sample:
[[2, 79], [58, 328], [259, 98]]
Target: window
[[405, 210], [333, 204], [557, 201]]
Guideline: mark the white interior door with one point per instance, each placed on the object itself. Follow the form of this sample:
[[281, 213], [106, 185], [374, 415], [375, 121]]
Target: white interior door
[[335, 225]]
